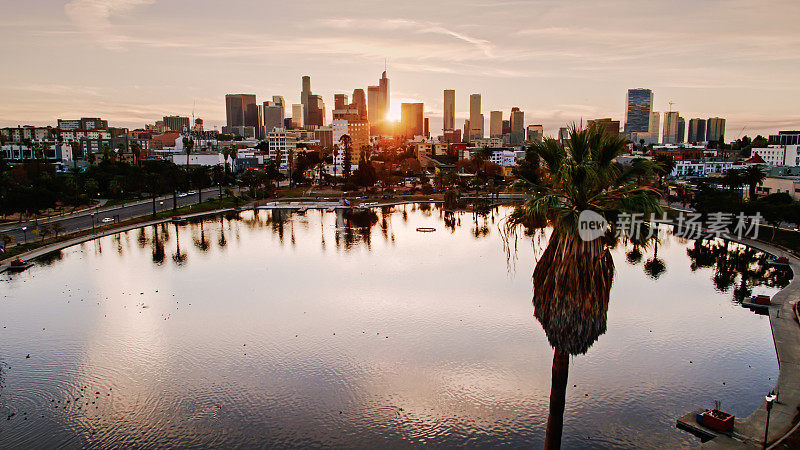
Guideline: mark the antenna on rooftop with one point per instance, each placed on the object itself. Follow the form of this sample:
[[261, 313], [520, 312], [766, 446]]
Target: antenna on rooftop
[[670, 105]]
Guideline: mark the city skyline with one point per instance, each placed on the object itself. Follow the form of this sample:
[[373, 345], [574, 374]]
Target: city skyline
[[541, 64]]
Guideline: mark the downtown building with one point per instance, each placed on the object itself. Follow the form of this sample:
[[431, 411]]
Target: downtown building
[[241, 114], [638, 109]]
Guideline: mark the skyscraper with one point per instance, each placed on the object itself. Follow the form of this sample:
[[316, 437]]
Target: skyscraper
[[517, 126], [639, 105], [670, 135], [305, 92], [273, 116], [426, 128], [535, 133], [496, 124], [475, 120], [241, 111], [278, 100], [340, 101], [383, 99], [316, 111], [681, 138], [412, 122], [653, 127], [298, 115], [465, 135], [360, 103], [373, 95], [697, 130], [449, 109], [715, 129]]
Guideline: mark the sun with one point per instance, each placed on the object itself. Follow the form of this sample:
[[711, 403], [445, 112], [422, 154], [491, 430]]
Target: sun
[[394, 112]]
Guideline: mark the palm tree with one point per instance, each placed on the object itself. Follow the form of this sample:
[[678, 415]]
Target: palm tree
[[732, 179], [188, 145], [753, 176], [572, 279], [665, 165], [136, 150], [347, 143]]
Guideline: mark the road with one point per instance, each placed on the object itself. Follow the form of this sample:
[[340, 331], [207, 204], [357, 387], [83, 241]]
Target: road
[[85, 219]]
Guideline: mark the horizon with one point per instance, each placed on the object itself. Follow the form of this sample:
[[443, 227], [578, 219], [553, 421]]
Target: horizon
[[134, 61]]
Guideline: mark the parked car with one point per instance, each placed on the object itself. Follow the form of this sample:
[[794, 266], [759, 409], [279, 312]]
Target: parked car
[[106, 220]]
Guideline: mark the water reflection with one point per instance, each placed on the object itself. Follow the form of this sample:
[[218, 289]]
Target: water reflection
[[736, 266], [426, 338]]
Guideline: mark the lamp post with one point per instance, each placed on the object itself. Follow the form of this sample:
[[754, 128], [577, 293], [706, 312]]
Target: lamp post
[[25, 234], [770, 400]]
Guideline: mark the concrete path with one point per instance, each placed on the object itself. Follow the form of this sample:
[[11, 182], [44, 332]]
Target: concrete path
[[786, 335]]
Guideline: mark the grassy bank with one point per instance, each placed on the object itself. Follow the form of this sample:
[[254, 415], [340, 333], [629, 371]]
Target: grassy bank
[[208, 205]]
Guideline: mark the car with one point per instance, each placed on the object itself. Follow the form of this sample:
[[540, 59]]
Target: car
[[183, 194], [106, 220]]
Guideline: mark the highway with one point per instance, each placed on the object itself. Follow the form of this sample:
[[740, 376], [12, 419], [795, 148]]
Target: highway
[[84, 220]]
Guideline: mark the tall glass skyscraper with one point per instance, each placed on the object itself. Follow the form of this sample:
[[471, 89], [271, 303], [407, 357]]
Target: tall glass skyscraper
[[639, 105]]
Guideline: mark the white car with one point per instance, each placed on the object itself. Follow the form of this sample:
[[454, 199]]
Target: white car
[[106, 220]]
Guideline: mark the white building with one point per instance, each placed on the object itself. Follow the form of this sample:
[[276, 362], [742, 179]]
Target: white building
[[505, 158], [283, 142], [779, 155]]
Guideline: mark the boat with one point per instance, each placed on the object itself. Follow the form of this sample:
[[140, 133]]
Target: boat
[[758, 302], [426, 229]]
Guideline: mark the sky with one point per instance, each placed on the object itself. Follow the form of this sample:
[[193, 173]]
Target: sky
[[134, 61]]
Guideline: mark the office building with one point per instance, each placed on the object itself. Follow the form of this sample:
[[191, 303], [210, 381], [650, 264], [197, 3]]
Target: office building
[[465, 134], [412, 122], [563, 134], [639, 105], [177, 123], [681, 130], [84, 123], [495, 123], [298, 115], [670, 133], [535, 133], [426, 128], [360, 103], [452, 136], [449, 110], [517, 126], [715, 129], [272, 114], [316, 111], [340, 101], [785, 138], [241, 111], [475, 117], [611, 127], [697, 130], [373, 96]]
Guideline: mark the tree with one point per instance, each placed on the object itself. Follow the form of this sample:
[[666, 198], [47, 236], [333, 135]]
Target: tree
[[57, 228], [346, 142], [199, 178], [732, 179], [753, 176], [665, 164], [188, 146], [218, 173], [573, 277], [136, 150]]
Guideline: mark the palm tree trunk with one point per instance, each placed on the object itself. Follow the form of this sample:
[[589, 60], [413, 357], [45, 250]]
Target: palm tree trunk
[[174, 200], [154, 205], [558, 392], [200, 194]]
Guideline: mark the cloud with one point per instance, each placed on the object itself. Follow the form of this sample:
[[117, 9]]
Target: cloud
[[94, 17]]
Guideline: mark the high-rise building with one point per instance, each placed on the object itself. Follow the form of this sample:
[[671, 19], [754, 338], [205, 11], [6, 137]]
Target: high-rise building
[[273, 116], [785, 138], [535, 133], [563, 134], [340, 101], [384, 105], [449, 109], [426, 128], [495, 123], [654, 127], [373, 97], [241, 111], [697, 130], [475, 119], [177, 123], [298, 115], [681, 138], [278, 100], [316, 111], [715, 129], [611, 127], [517, 126], [465, 134], [670, 133], [507, 127], [360, 103], [411, 120], [639, 105], [305, 93]]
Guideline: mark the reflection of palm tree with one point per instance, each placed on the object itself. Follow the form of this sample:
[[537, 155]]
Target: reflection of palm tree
[[572, 280], [202, 243], [178, 257], [655, 266], [634, 256], [158, 247]]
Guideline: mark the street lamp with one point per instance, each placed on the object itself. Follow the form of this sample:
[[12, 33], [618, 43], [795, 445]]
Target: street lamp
[[770, 400], [25, 233]]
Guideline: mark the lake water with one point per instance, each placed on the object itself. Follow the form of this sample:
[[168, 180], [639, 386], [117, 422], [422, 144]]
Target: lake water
[[273, 329]]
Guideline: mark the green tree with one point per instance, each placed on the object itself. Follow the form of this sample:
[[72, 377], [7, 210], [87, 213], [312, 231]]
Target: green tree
[[753, 176], [572, 278]]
